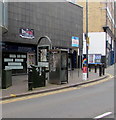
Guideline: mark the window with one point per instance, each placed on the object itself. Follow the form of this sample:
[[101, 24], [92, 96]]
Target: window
[[4, 15]]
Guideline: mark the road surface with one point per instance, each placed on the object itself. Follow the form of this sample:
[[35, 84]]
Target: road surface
[[86, 101]]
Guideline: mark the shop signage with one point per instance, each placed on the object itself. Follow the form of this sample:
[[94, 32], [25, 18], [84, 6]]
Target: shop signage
[[14, 67], [15, 61], [98, 58], [91, 58], [18, 48], [94, 58], [27, 33], [75, 41]]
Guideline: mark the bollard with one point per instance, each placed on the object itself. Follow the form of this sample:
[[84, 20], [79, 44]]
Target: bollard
[[95, 68], [89, 68], [103, 69], [30, 82], [100, 70], [30, 88]]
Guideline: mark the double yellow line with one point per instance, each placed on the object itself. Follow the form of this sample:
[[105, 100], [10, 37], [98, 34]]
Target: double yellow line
[[55, 92], [99, 81]]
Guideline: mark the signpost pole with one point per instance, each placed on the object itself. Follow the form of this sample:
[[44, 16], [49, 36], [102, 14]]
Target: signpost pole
[[75, 45], [84, 72], [87, 39]]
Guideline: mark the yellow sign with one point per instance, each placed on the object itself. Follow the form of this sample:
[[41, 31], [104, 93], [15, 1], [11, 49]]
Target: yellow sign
[[88, 40]]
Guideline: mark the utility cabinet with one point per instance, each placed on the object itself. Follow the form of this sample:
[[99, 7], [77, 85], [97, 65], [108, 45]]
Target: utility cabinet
[[6, 78]]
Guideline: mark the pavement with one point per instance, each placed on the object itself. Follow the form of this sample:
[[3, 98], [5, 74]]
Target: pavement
[[20, 83]]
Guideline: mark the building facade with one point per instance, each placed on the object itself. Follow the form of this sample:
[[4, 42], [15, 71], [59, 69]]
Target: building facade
[[101, 29], [27, 22], [3, 29], [115, 30]]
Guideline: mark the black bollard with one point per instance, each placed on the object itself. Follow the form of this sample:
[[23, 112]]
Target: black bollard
[[30, 82], [30, 88], [95, 68], [100, 70], [89, 68], [103, 69]]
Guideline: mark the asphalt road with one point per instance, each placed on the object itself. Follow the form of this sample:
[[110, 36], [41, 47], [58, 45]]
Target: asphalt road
[[87, 101]]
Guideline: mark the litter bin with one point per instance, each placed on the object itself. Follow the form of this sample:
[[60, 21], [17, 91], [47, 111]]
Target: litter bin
[[6, 78], [36, 77]]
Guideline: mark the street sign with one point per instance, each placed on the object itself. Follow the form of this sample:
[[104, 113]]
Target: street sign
[[75, 41], [88, 40]]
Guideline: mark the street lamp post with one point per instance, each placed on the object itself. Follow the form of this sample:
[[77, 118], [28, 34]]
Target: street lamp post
[[87, 36]]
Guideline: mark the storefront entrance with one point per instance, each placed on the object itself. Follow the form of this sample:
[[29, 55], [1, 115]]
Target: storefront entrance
[[18, 57], [15, 61]]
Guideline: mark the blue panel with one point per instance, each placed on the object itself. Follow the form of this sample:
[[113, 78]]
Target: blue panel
[[75, 41]]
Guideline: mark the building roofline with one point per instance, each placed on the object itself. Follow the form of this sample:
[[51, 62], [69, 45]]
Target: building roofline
[[75, 4]]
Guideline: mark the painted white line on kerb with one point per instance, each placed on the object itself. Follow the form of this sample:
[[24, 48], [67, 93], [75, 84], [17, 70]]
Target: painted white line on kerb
[[103, 115]]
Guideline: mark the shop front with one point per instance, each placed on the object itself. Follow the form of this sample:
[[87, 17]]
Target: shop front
[[18, 57]]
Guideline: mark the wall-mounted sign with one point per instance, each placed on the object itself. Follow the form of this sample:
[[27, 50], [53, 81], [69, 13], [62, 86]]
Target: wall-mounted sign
[[13, 67], [94, 58], [19, 60], [8, 60], [97, 58], [12, 56], [75, 41], [27, 33], [91, 58]]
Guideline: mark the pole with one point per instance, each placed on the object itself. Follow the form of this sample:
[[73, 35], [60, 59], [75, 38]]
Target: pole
[[87, 35], [106, 37]]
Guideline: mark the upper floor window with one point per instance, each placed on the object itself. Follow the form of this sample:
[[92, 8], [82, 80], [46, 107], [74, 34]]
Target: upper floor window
[[4, 15]]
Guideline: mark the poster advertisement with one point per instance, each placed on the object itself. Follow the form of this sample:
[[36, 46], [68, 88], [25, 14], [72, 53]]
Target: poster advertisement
[[97, 58], [43, 55], [91, 58], [54, 59], [94, 58]]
